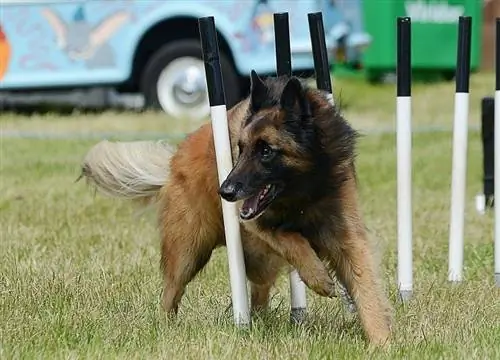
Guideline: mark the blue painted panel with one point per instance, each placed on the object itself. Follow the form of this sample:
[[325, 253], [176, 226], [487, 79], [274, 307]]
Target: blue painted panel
[[82, 42]]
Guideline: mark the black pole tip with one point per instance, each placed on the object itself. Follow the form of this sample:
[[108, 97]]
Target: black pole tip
[[280, 16], [463, 19], [210, 53], [463, 54], [320, 52], [315, 16], [208, 37], [404, 19], [497, 54], [282, 44], [403, 67]]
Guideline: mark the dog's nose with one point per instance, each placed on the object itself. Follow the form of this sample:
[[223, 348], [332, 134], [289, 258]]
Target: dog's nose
[[229, 190]]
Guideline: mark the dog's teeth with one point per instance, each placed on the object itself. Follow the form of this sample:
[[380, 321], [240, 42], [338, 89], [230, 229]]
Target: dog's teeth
[[264, 192]]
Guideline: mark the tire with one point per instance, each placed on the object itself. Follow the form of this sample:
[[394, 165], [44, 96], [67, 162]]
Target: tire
[[167, 70]]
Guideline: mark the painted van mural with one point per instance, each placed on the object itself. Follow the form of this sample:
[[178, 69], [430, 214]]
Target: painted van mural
[[152, 48], [4, 53]]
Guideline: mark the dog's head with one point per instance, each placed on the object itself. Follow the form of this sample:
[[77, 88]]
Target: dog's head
[[274, 145]]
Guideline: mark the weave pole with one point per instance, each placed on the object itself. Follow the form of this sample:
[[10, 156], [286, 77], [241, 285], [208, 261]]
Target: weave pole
[[404, 159], [218, 113], [320, 52], [324, 82], [497, 154], [298, 300], [459, 161]]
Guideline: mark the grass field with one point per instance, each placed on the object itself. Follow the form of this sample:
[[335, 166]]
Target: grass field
[[79, 273]]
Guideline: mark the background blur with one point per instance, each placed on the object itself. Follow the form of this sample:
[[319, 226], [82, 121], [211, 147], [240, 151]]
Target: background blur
[[145, 55]]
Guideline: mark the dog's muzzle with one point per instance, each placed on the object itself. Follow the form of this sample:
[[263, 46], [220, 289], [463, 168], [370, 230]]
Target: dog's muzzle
[[229, 190]]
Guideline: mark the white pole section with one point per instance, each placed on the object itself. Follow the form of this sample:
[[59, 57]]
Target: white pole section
[[459, 161], [497, 155], [404, 199], [458, 187], [497, 180], [237, 275]]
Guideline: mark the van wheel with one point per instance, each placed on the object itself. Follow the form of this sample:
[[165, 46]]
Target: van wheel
[[174, 81]]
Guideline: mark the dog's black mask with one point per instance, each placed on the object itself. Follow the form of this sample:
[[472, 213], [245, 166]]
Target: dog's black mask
[[269, 155]]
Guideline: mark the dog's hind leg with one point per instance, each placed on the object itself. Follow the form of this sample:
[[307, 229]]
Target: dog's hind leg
[[356, 269], [180, 263], [187, 245]]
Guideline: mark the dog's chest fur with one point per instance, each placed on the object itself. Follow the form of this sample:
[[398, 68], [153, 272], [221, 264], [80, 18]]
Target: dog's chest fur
[[319, 223]]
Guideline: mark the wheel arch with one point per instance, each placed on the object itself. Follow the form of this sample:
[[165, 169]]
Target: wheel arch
[[164, 32]]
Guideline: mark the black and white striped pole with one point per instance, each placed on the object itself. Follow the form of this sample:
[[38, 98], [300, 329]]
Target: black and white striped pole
[[218, 112], [459, 161], [324, 82], [404, 158], [496, 156], [298, 300]]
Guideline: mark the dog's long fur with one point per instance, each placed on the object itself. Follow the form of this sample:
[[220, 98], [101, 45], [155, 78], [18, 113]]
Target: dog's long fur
[[132, 170], [313, 223]]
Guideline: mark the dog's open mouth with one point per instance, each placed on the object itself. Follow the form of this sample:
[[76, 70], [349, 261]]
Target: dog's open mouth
[[255, 205]]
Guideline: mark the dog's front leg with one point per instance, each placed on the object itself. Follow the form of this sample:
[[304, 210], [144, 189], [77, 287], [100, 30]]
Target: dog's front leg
[[356, 269], [295, 248]]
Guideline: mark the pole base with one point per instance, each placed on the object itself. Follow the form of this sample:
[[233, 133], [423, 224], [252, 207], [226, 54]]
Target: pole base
[[405, 295], [243, 325], [480, 204], [346, 299], [298, 315], [497, 279]]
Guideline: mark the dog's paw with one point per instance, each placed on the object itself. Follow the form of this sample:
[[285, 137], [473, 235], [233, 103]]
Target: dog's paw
[[325, 286]]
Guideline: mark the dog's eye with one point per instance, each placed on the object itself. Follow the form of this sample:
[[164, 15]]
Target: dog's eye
[[266, 152]]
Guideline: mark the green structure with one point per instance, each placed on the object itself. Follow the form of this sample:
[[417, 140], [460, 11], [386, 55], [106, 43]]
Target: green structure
[[434, 35]]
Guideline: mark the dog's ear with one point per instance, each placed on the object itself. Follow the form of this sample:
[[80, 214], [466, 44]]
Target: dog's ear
[[258, 91], [293, 99]]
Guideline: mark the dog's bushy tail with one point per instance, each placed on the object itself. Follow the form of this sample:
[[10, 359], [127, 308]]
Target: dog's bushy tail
[[133, 170]]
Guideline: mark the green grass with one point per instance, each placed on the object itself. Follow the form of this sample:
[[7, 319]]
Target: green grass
[[80, 278]]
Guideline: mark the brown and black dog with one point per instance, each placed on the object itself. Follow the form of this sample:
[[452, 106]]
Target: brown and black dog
[[294, 177]]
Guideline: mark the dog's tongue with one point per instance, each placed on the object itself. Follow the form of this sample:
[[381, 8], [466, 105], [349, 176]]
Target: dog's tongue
[[249, 207]]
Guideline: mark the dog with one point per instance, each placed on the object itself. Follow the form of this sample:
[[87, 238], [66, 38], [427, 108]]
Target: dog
[[294, 180]]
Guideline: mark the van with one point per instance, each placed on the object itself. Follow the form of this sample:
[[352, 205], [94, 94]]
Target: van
[[151, 47]]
